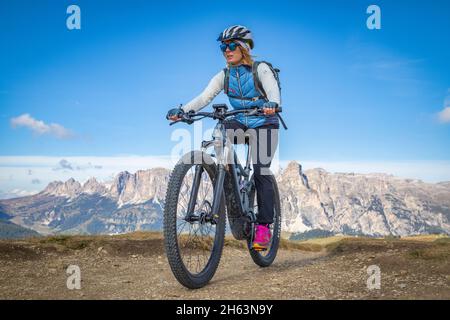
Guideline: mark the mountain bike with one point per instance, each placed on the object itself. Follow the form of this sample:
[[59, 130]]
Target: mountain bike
[[204, 189]]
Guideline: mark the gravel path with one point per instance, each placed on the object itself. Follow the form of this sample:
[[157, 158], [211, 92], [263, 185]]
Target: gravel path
[[127, 269]]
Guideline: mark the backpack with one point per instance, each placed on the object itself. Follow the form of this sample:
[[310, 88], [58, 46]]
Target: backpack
[[258, 84]]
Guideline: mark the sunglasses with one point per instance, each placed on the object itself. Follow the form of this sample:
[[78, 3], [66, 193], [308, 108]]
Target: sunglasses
[[232, 46]]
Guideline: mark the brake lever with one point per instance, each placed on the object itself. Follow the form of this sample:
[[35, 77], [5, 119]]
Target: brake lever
[[173, 122], [185, 118], [260, 111]]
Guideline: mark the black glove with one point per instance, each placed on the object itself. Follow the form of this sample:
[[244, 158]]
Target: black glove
[[270, 105], [269, 108], [178, 112]]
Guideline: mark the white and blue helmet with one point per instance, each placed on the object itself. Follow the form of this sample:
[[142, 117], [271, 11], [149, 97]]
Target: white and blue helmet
[[237, 32]]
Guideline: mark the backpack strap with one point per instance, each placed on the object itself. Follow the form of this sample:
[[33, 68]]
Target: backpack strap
[[259, 86], [226, 80], [257, 81]]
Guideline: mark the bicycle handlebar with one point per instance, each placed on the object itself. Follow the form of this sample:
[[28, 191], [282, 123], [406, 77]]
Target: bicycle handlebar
[[188, 117]]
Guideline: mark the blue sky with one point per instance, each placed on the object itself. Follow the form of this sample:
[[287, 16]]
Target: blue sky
[[350, 94]]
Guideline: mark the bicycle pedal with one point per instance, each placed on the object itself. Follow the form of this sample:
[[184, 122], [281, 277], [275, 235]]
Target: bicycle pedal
[[257, 248]]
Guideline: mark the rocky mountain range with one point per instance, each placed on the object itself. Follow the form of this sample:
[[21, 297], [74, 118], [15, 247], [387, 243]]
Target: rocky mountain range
[[130, 202], [312, 201], [368, 204]]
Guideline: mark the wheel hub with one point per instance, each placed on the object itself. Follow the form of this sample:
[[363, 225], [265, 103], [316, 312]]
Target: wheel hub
[[204, 215]]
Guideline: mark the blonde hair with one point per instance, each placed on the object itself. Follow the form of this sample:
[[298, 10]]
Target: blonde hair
[[247, 58]]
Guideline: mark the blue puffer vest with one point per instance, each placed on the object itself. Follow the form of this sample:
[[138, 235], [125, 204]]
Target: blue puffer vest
[[241, 84]]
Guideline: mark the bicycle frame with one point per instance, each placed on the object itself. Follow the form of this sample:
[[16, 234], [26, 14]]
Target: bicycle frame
[[239, 176]]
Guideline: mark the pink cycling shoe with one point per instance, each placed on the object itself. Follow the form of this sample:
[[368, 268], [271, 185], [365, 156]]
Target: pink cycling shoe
[[262, 237]]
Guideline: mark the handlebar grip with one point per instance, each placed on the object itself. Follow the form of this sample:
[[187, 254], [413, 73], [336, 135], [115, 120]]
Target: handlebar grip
[[277, 109]]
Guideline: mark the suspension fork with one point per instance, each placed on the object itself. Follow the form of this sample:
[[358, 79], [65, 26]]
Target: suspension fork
[[218, 190], [194, 192], [219, 138]]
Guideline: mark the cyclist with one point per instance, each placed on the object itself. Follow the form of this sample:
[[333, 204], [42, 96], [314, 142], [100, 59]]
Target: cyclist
[[236, 44]]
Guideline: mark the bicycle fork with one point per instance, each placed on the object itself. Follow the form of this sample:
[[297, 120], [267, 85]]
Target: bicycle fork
[[218, 189], [190, 216]]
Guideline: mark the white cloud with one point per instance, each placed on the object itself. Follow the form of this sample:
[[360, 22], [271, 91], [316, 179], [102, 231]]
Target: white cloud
[[15, 193], [444, 115], [40, 127], [119, 162], [63, 164]]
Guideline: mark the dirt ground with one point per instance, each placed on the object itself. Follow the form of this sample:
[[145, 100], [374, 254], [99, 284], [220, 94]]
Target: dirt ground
[[135, 267]]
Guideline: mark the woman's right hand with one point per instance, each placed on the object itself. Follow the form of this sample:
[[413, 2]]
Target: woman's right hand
[[175, 114]]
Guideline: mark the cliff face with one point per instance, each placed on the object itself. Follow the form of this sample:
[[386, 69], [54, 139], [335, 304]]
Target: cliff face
[[369, 204], [131, 202]]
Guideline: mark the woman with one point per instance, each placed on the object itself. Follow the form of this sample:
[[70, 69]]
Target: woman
[[236, 44]]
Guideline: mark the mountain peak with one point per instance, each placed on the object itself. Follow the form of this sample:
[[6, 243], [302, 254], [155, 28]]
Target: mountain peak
[[91, 180], [294, 173], [70, 188], [52, 186], [123, 173], [92, 186], [293, 168], [140, 186]]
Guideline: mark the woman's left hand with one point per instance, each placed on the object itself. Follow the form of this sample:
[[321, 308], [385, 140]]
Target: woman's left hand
[[269, 108]]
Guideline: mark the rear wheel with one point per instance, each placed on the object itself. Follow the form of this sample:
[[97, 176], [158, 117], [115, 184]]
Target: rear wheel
[[193, 242], [265, 258]]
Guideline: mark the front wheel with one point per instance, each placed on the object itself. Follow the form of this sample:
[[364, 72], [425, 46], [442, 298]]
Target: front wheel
[[265, 258], [193, 235]]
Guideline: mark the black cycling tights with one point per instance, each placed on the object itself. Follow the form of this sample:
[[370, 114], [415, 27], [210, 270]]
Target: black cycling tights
[[263, 150]]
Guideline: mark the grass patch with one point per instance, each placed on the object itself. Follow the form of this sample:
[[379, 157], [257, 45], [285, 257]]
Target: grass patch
[[428, 237], [427, 247], [233, 243], [284, 244], [69, 242], [300, 245], [140, 235], [430, 254], [354, 244], [438, 250], [442, 241]]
